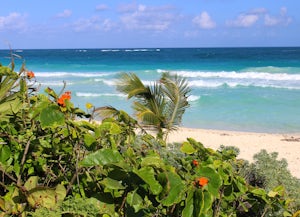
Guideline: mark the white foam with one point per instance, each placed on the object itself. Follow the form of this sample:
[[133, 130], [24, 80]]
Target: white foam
[[111, 82], [55, 83], [231, 84], [193, 98], [73, 74], [240, 75]]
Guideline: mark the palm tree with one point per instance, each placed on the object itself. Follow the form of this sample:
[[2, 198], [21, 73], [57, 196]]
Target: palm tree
[[160, 105]]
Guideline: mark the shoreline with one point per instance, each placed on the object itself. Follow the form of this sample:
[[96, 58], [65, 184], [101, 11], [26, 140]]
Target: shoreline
[[287, 145]]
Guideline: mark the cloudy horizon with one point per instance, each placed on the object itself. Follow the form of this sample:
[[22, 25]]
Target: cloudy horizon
[[124, 24]]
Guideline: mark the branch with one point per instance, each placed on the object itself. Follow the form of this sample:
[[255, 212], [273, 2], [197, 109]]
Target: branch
[[23, 161], [9, 176]]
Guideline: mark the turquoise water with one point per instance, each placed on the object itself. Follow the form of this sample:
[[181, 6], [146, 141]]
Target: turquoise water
[[247, 89]]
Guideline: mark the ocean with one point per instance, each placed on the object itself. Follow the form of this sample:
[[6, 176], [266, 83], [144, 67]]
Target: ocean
[[243, 89]]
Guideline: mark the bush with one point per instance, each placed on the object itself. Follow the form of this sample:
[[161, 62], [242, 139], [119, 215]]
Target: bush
[[54, 164], [268, 172]]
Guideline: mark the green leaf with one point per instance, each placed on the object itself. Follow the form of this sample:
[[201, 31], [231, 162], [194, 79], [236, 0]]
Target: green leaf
[[154, 160], [241, 184], [51, 117], [89, 139], [110, 127], [173, 189], [187, 148], [214, 179], [39, 196], [4, 154], [61, 193], [112, 184], [189, 205], [134, 200], [31, 183], [259, 192], [102, 157], [203, 202], [148, 176]]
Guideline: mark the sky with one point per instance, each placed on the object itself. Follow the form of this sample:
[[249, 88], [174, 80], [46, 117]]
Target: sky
[[143, 24]]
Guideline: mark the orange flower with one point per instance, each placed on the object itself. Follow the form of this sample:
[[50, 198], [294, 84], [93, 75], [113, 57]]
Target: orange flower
[[62, 100], [195, 163], [30, 74], [202, 181]]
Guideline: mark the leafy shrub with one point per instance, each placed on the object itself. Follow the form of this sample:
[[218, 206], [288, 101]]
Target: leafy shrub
[[53, 164], [268, 172]]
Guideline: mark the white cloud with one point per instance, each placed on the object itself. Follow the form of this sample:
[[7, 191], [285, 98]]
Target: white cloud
[[282, 19], [101, 7], [93, 23], [260, 14], [143, 17], [127, 8], [204, 21], [244, 20], [64, 14], [13, 21]]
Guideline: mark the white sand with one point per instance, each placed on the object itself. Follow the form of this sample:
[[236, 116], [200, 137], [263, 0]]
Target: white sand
[[287, 145]]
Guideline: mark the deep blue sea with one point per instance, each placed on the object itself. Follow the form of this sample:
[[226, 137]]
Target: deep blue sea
[[245, 89]]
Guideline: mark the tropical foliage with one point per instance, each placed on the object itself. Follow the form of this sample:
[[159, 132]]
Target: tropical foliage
[[54, 162], [162, 104]]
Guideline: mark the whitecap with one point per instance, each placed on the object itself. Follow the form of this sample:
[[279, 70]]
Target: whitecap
[[72, 74], [193, 98]]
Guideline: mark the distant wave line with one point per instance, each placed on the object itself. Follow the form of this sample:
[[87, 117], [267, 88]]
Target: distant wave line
[[55, 83], [131, 50], [74, 74], [237, 75], [212, 84]]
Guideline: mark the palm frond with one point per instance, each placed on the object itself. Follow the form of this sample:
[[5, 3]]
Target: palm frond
[[106, 112], [146, 115], [176, 90], [131, 85]]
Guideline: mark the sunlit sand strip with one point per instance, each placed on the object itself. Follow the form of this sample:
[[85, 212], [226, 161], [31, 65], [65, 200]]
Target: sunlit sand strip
[[287, 145]]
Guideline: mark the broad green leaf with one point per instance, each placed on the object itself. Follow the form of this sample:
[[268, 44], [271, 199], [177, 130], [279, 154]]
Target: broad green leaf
[[279, 190], [215, 180], [112, 184], [51, 117], [187, 148], [241, 184], [189, 204], [4, 154], [173, 188], [134, 200], [203, 202], [31, 183], [110, 127], [102, 157], [154, 160], [10, 105], [105, 208], [148, 176], [61, 193], [42, 197], [89, 139], [259, 192]]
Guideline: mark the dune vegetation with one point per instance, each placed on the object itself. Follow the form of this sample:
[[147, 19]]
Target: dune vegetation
[[55, 161]]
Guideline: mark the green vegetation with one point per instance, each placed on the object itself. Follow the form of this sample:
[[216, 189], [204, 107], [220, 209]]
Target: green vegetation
[[54, 164], [160, 105]]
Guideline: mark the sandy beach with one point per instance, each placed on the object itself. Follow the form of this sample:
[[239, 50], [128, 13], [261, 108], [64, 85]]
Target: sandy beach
[[287, 145]]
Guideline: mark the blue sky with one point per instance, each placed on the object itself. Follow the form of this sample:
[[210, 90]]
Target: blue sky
[[155, 23]]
